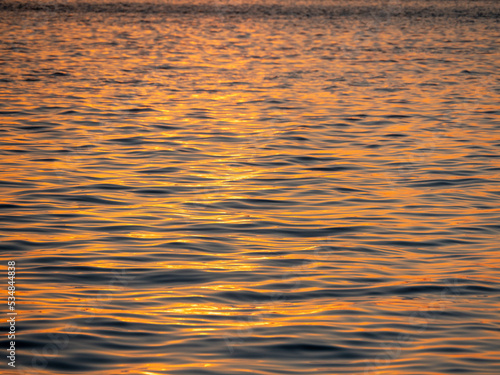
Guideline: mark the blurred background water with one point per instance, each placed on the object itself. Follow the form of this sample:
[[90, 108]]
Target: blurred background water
[[251, 188]]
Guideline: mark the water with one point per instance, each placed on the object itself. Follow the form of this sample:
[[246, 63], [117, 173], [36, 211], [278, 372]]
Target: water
[[306, 188]]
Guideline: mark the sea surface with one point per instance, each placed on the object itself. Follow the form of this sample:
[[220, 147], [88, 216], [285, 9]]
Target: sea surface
[[234, 188]]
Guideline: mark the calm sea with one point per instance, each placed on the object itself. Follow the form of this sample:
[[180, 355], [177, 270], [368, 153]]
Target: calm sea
[[234, 188]]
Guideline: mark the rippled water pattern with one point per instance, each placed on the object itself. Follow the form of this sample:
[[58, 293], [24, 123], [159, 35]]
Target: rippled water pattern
[[219, 194]]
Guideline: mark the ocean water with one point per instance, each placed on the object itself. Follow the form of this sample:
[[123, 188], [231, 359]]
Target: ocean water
[[237, 188]]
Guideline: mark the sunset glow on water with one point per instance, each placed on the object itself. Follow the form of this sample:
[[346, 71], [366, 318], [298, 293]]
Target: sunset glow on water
[[262, 188]]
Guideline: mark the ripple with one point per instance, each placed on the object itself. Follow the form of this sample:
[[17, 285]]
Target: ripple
[[251, 187]]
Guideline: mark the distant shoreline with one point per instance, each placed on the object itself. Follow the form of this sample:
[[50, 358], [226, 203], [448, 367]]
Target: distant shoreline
[[381, 10]]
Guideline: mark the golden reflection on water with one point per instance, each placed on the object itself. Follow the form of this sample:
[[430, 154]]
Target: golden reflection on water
[[255, 184]]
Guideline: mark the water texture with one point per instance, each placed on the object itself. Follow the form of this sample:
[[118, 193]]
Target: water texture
[[251, 188]]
